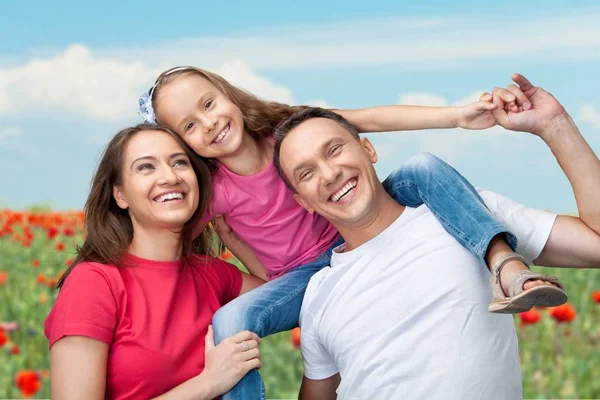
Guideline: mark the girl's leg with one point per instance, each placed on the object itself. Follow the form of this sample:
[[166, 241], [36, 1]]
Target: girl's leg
[[452, 199], [270, 308], [457, 205]]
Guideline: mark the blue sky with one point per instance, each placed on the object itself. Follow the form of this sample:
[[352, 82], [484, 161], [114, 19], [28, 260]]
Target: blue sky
[[71, 72]]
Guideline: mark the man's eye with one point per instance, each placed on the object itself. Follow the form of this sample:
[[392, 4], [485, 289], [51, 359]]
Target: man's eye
[[335, 149], [305, 175]]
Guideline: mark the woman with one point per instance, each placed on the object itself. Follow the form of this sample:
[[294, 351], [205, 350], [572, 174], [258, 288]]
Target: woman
[[132, 319]]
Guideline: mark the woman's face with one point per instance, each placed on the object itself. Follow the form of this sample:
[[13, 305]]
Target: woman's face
[[159, 186], [205, 118]]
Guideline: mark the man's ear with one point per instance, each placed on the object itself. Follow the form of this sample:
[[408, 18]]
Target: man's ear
[[370, 149], [300, 200], [119, 197]]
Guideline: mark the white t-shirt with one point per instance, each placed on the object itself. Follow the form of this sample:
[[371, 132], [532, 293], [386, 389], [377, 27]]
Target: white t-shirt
[[405, 315]]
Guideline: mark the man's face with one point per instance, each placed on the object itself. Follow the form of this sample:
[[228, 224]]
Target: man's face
[[331, 171]]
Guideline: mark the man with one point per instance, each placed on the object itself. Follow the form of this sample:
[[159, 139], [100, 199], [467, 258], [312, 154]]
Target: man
[[402, 311]]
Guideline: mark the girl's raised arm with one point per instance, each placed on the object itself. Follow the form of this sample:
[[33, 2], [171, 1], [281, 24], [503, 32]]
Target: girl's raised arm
[[406, 118]]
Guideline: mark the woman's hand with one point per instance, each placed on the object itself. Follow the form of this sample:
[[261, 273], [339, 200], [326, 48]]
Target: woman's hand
[[226, 364]]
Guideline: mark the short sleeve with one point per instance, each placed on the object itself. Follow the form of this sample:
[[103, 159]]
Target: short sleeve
[[85, 306], [228, 279], [318, 363], [532, 227]]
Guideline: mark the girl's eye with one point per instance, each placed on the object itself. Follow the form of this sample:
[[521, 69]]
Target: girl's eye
[[145, 167], [188, 127], [208, 104]]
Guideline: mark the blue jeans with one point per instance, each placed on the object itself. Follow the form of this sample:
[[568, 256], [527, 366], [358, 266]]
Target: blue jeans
[[275, 306]]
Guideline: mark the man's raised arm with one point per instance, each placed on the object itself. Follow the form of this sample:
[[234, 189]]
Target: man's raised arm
[[573, 241]]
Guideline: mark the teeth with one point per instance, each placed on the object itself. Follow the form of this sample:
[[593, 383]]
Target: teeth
[[344, 190], [169, 196], [222, 134]]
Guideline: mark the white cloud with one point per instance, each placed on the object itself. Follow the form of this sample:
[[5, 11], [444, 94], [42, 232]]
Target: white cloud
[[460, 41], [589, 114], [9, 132], [319, 103], [102, 88], [240, 74]]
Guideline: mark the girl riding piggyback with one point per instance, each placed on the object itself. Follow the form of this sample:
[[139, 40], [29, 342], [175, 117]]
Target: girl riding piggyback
[[280, 241]]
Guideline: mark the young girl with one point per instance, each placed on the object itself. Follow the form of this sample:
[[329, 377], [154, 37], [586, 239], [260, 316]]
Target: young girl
[[232, 130], [135, 277]]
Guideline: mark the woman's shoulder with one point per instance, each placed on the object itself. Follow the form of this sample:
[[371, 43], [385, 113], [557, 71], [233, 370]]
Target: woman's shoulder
[[94, 273]]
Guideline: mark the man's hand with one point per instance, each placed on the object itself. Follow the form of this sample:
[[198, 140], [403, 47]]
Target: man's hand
[[534, 111]]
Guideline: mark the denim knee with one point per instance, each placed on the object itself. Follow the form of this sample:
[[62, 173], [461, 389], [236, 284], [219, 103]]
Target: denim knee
[[423, 161], [227, 321]]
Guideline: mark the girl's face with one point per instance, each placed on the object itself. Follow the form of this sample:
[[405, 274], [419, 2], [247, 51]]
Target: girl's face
[[203, 116], [159, 186]]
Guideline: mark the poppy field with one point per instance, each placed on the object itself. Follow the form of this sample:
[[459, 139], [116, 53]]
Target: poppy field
[[559, 347]]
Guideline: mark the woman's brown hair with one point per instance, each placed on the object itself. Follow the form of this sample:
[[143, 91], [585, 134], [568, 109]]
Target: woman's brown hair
[[109, 228]]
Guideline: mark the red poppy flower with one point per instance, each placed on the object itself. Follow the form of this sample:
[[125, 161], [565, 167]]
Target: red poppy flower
[[596, 296], [35, 262], [52, 232], [28, 382], [60, 246], [3, 337], [295, 337], [69, 262], [530, 317], [3, 278], [15, 350], [41, 279], [68, 231], [226, 255], [563, 313]]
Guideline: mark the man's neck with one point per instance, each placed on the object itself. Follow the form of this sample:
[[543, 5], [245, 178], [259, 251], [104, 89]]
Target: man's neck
[[383, 213]]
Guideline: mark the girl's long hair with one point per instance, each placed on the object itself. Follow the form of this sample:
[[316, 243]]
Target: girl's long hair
[[109, 228], [261, 117]]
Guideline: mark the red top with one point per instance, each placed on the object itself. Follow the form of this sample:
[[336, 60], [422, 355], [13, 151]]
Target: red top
[[154, 315]]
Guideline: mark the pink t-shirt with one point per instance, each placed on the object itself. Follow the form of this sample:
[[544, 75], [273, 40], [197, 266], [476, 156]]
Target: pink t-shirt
[[263, 212], [154, 316]]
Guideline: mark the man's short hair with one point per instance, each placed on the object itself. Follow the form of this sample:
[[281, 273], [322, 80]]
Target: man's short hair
[[296, 119]]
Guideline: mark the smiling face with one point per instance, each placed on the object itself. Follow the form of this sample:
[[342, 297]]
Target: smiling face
[[209, 122], [331, 171], [158, 184]]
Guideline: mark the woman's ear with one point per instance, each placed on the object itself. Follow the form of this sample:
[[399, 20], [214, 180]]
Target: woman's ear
[[369, 149], [119, 197]]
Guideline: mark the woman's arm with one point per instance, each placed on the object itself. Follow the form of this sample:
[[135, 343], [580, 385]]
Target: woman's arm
[[405, 118], [78, 368], [225, 365]]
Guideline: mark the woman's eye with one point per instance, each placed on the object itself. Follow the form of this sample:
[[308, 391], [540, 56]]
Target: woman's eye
[[180, 163], [208, 104], [144, 167]]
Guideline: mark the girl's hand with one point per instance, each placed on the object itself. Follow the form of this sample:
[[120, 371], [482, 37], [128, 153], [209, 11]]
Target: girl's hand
[[477, 115], [226, 364]]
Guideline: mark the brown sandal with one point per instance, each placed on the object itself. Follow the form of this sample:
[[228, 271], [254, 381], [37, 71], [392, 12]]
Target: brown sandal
[[520, 300]]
